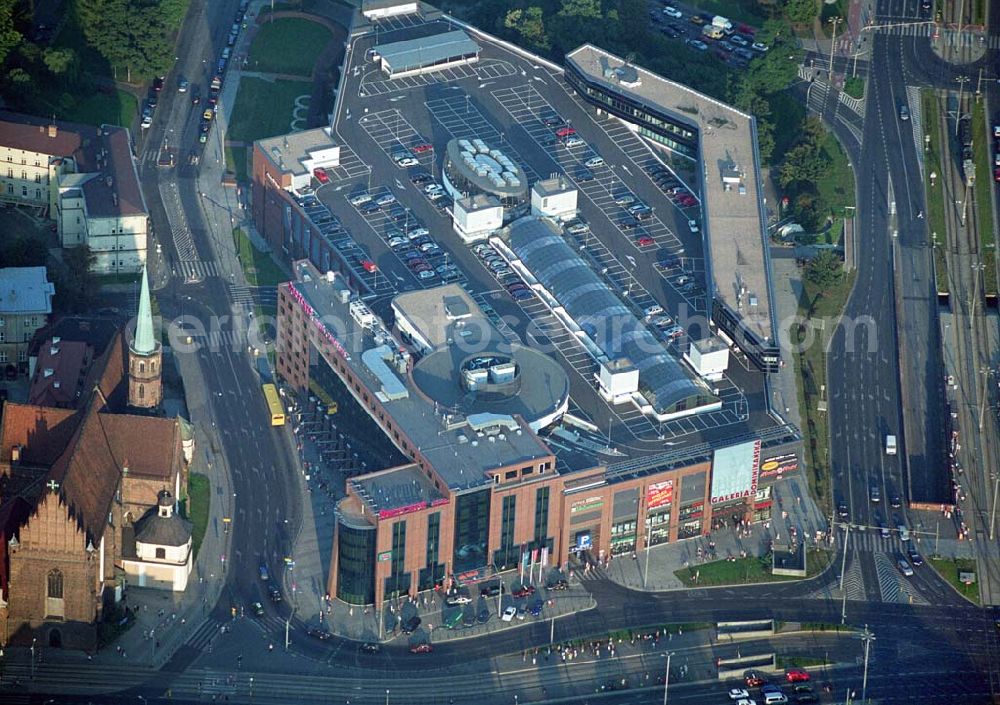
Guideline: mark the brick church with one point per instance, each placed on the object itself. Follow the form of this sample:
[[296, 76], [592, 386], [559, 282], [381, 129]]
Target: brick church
[[82, 461]]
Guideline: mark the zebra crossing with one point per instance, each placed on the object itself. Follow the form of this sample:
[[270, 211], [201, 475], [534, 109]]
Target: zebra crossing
[[873, 542], [948, 35], [205, 634], [184, 243], [197, 270], [233, 339], [892, 586], [241, 294]]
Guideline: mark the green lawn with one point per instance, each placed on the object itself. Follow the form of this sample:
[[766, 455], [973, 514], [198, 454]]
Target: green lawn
[[747, 570], [100, 109], [836, 185], [935, 196], [264, 108], [949, 569], [258, 267], [855, 87], [287, 45], [979, 12], [118, 279], [984, 198], [236, 162], [199, 498]]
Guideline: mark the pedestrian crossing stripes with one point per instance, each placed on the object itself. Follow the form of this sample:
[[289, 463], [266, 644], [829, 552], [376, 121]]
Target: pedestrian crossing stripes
[[872, 542], [184, 243], [216, 339], [204, 634], [197, 269], [947, 35], [241, 294]]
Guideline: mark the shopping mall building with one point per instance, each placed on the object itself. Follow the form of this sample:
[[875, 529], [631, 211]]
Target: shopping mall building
[[481, 489]]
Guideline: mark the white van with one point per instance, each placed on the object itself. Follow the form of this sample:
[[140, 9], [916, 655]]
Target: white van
[[775, 698], [890, 445]]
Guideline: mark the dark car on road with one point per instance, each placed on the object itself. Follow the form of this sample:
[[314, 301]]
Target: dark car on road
[[560, 584], [484, 616], [410, 625], [490, 590], [370, 648], [320, 634]]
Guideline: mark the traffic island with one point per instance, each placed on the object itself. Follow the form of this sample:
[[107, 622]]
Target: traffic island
[[960, 573]]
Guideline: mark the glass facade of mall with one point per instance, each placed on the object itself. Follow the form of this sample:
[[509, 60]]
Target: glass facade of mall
[[472, 526], [355, 564], [653, 122], [433, 573]]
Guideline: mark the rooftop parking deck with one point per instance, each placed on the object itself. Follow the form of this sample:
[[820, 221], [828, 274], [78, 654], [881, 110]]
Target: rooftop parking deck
[[733, 208]]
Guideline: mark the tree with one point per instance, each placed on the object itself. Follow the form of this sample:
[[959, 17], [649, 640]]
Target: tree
[[529, 26], [10, 38], [825, 270], [21, 81], [61, 62], [589, 9], [132, 35], [23, 251], [76, 284], [806, 161], [810, 209], [800, 11], [803, 163]]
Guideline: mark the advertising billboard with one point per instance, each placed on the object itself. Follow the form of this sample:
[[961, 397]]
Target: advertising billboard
[[779, 465], [586, 505], [735, 472], [659, 494]]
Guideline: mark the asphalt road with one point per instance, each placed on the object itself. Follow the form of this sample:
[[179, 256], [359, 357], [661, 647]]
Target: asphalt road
[[264, 499]]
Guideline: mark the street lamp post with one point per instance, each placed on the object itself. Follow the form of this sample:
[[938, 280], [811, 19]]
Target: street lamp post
[[645, 571], [833, 42], [843, 567], [33, 640], [985, 372], [386, 696], [666, 678], [867, 637], [962, 80]]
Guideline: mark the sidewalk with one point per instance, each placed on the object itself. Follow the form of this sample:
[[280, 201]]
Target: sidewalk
[[793, 508], [787, 290]]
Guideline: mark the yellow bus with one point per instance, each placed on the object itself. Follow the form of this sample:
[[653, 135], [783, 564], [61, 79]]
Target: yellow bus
[[274, 404]]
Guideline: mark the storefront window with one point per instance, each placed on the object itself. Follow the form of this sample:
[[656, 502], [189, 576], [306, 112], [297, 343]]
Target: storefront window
[[689, 529], [658, 527]]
